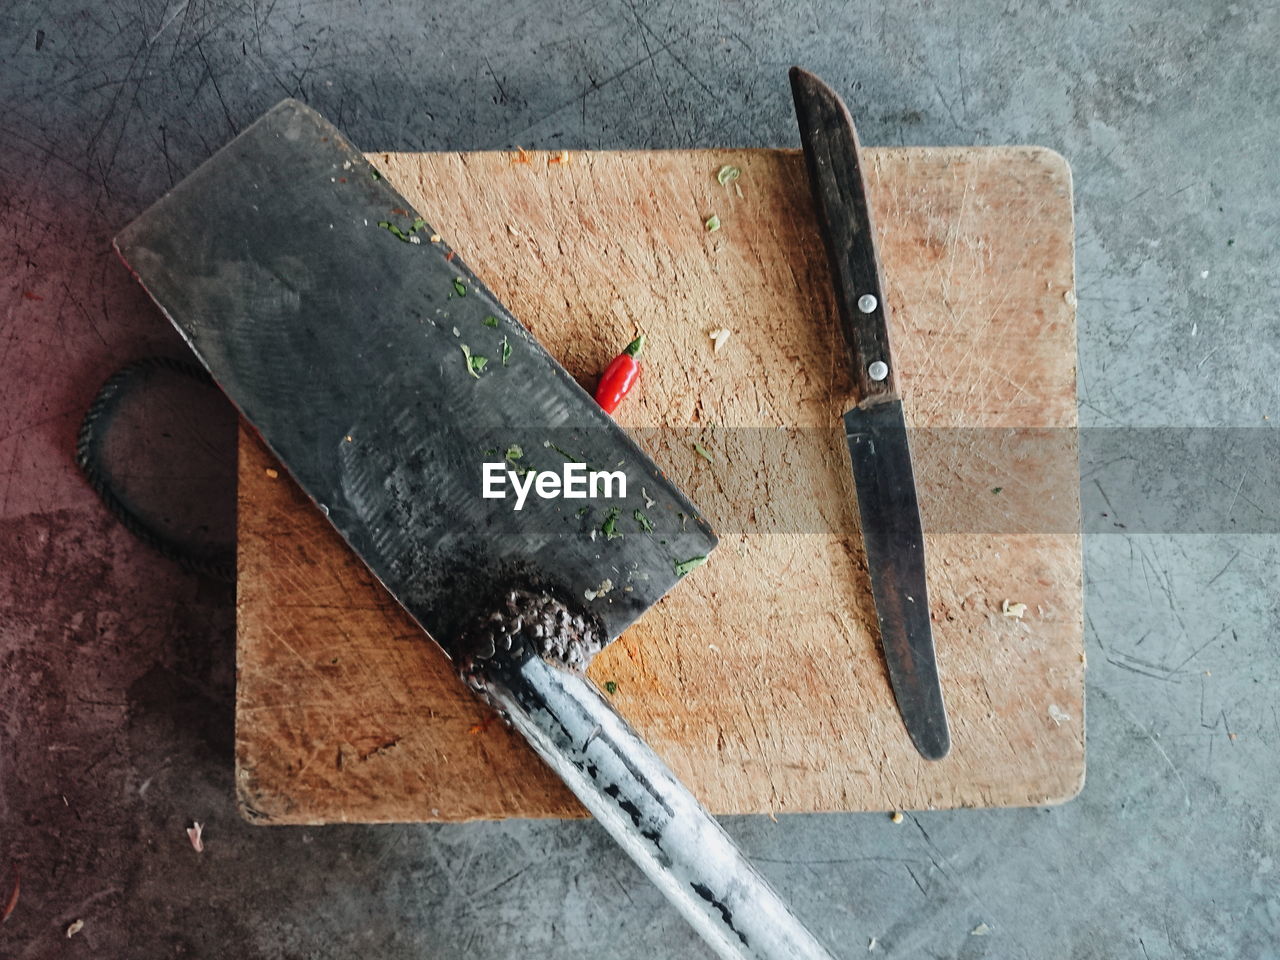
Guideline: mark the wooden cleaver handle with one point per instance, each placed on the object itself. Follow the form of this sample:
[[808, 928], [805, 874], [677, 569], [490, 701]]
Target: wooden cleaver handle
[[650, 814]]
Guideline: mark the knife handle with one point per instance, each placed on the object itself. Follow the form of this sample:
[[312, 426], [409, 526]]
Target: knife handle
[[651, 815], [832, 156]]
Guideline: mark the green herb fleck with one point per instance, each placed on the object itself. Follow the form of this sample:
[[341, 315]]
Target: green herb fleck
[[490, 452], [996, 489], [1231, 242], [610, 687], [472, 367], [702, 452], [583, 511], [394, 230], [610, 526], [562, 451], [645, 523], [506, 351], [475, 362], [684, 566], [459, 288], [727, 174], [514, 452], [713, 223], [490, 321], [409, 237], [375, 174]]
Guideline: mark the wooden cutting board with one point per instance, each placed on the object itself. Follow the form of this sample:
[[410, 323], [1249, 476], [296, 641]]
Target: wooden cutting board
[[759, 678]]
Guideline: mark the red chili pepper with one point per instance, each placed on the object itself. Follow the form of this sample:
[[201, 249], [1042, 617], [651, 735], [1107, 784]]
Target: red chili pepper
[[619, 376]]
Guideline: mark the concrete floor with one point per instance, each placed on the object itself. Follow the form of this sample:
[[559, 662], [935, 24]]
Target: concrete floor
[[116, 668]]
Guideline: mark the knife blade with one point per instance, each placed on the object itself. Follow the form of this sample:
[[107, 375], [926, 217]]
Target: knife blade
[[310, 290], [875, 429]]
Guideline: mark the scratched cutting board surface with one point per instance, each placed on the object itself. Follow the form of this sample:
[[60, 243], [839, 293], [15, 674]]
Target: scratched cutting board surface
[[758, 678]]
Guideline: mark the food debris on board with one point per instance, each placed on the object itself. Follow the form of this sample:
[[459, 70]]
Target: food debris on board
[[1058, 715], [619, 376], [701, 451], [605, 586], [475, 362], [684, 566], [712, 223], [610, 686], [195, 833], [981, 930], [896, 816], [610, 526], [272, 472], [719, 338], [729, 174], [1015, 610], [74, 928]]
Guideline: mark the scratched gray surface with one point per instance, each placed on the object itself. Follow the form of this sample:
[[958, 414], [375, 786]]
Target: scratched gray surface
[[116, 668]]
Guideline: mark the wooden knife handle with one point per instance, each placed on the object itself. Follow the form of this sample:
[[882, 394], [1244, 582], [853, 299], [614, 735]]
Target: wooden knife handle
[[832, 156], [650, 814]]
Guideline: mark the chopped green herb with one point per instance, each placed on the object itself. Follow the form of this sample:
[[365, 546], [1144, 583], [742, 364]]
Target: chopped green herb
[[375, 174], [490, 321], [471, 361], [645, 523], [713, 223], [727, 174], [514, 452], [459, 288], [583, 511], [409, 237], [394, 230], [702, 452], [996, 489], [684, 566], [490, 452], [506, 351], [610, 527], [562, 451], [478, 363], [610, 687]]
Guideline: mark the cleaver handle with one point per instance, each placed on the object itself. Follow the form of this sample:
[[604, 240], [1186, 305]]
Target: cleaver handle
[[651, 815]]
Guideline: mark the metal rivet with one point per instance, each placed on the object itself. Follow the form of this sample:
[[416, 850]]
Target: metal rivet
[[868, 302], [878, 370]]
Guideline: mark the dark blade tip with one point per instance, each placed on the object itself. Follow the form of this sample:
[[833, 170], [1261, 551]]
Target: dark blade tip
[[933, 742]]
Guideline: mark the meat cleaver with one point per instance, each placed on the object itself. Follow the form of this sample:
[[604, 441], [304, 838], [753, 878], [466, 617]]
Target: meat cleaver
[[384, 375]]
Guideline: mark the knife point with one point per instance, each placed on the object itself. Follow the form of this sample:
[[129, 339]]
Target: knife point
[[932, 744]]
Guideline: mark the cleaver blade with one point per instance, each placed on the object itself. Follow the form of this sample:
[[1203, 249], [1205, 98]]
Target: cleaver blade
[[315, 296]]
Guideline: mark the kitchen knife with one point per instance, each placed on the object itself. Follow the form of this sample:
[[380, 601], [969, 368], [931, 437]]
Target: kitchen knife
[[383, 375], [875, 428]]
